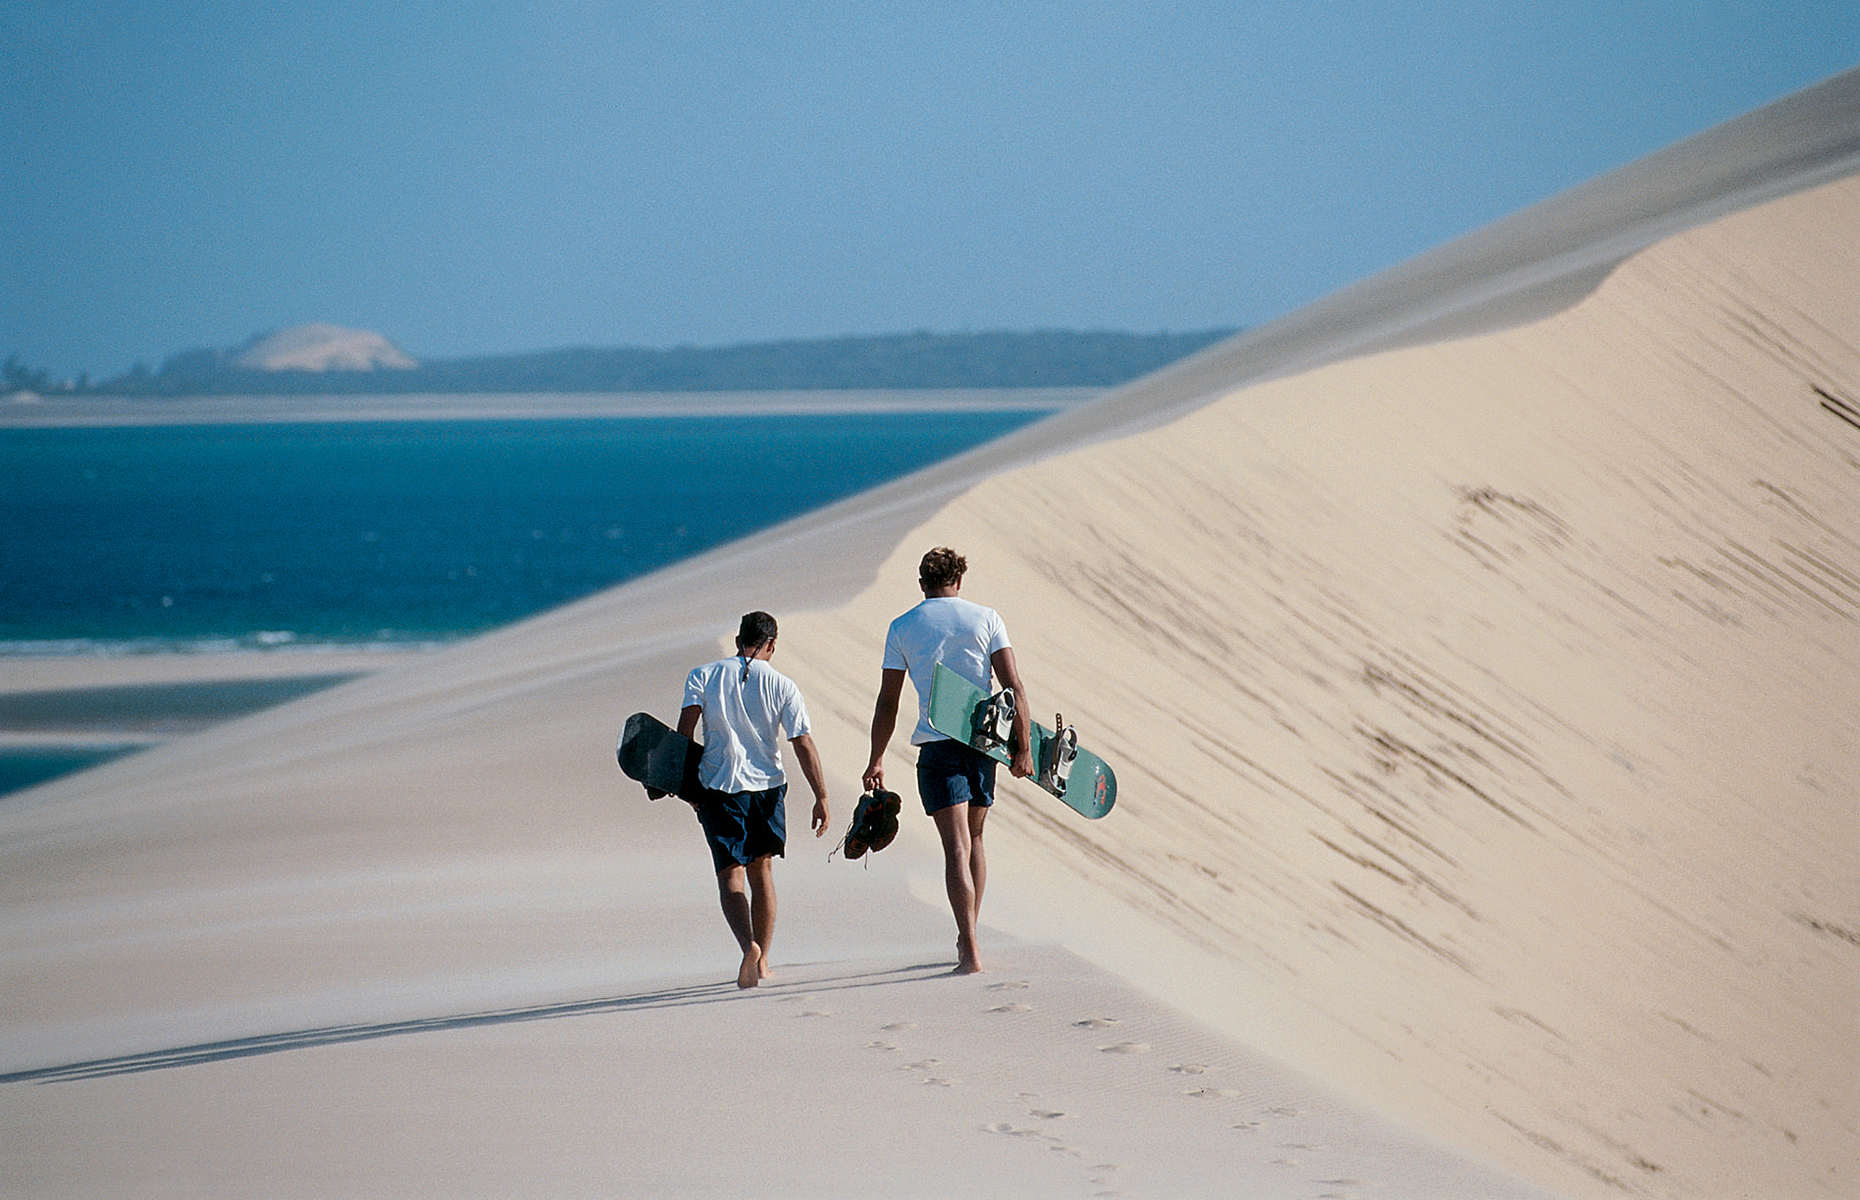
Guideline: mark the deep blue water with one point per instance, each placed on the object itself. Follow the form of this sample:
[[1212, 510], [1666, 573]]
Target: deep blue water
[[199, 537]]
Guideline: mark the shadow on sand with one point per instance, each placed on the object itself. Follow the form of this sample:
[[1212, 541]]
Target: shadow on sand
[[335, 1035]]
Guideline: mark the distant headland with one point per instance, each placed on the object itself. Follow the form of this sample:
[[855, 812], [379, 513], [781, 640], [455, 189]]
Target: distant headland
[[331, 359]]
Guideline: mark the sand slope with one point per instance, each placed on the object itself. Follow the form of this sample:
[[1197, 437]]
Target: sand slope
[[1481, 713], [1486, 708]]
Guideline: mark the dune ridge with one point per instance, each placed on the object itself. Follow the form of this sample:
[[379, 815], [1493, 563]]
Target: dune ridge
[[1518, 269], [1478, 705]]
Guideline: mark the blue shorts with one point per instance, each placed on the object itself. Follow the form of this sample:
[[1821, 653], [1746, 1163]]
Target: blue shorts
[[950, 773], [740, 827]]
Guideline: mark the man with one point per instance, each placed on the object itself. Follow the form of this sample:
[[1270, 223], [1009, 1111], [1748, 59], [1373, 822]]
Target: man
[[956, 783], [747, 707]]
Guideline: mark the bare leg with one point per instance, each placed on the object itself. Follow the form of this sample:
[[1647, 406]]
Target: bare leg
[[736, 910], [952, 825], [978, 861], [762, 909]]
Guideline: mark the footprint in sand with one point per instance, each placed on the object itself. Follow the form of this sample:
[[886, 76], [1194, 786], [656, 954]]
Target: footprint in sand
[[1011, 1008], [1212, 1093], [1009, 1129], [1126, 1048], [814, 1012], [936, 1082], [898, 1026], [1095, 1023], [1045, 1114], [1010, 985], [928, 1064], [880, 1046], [1248, 1126], [1189, 1069]]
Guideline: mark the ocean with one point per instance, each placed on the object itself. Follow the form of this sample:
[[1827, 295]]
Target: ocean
[[294, 537], [299, 538]]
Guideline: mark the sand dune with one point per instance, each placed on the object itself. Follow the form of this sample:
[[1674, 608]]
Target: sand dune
[[321, 348], [1481, 713], [1484, 714]]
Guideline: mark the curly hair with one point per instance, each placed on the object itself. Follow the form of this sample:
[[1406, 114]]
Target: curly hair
[[941, 567]]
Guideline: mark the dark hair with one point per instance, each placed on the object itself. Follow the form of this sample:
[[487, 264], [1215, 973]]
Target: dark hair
[[757, 629], [941, 567]]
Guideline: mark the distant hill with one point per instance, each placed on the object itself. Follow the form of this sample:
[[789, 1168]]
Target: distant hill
[[328, 359], [321, 348]]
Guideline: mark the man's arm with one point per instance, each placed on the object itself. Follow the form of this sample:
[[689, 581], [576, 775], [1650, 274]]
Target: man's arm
[[1020, 742], [809, 759], [884, 724]]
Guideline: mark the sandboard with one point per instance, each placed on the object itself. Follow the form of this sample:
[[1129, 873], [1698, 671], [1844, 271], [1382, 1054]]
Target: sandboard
[[960, 710], [660, 757]]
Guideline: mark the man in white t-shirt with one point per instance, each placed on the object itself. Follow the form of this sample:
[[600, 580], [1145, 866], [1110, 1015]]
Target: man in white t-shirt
[[956, 782], [747, 708]]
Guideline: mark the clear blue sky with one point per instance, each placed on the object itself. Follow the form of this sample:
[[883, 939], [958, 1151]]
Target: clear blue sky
[[494, 175]]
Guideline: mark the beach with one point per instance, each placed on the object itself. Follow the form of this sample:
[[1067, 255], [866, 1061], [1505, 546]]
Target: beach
[[1476, 650], [61, 411]]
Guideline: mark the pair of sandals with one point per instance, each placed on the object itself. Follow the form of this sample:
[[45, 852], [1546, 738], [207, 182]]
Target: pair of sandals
[[874, 824]]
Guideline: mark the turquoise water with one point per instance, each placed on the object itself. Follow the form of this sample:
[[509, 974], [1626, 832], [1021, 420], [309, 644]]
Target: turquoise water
[[25, 766], [128, 539], [299, 537]]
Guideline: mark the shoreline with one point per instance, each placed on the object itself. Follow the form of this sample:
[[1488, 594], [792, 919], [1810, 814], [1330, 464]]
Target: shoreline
[[34, 673], [86, 710], [70, 412]]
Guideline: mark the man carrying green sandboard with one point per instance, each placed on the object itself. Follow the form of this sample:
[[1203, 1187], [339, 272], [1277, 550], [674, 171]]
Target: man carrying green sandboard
[[955, 781], [960, 710]]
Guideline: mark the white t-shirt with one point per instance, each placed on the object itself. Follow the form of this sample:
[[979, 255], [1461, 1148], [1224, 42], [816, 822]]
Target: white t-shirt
[[745, 722], [943, 629]]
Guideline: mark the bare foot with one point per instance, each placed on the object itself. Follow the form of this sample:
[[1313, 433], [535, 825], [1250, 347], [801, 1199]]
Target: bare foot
[[968, 962], [750, 973], [762, 968]]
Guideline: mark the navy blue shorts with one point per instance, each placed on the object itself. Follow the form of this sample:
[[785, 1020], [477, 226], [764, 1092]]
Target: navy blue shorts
[[950, 773], [740, 827]]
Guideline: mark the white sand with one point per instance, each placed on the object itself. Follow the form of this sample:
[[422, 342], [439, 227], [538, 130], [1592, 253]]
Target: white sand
[[51, 672], [1482, 711], [57, 410]]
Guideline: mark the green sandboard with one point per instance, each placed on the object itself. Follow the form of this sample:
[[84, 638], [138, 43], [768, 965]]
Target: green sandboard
[[955, 712]]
